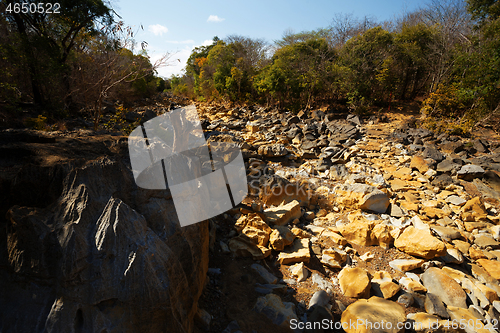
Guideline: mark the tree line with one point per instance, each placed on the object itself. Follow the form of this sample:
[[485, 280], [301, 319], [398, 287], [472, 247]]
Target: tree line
[[75, 59], [446, 53]]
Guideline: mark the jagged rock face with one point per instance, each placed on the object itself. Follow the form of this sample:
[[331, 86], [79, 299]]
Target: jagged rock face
[[106, 256]]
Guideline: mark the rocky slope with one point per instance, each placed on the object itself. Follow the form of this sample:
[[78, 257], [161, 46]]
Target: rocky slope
[[348, 220], [83, 249]]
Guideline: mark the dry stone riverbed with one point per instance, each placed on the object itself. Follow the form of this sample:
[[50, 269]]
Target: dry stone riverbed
[[349, 220]]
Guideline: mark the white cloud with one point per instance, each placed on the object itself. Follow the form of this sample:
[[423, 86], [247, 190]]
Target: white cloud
[[158, 29], [188, 41], [214, 18], [207, 42]]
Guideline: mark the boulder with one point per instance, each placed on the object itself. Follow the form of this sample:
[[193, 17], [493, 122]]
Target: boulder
[[354, 282], [280, 313], [298, 252], [362, 196], [281, 237], [420, 243], [363, 316], [443, 286], [469, 172], [283, 214]]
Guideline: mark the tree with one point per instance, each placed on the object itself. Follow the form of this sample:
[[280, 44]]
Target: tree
[[55, 35]]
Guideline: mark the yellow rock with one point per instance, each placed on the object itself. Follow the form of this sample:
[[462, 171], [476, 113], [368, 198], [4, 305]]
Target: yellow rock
[[354, 282], [299, 252], [491, 266], [283, 214], [281, 237], [420, 243]]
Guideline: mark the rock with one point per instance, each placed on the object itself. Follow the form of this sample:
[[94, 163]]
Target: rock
[[491, 266], [264, 273], [434, 306], [417, 162], [242, 246], [447, 166], [281, 237], [273, 150], [280, 313], [373, 310], [433, 153], [462, 315], [358, 232], [299, 271], [420, 243], [271, 288], [443, 286], [395, 211], [103, 249], [298, 252], [423, 322], [411, 285], [469, 172], [362, 196], [354, 282], [333, 258], [321, 282], [442, 181], [404, 265], [446, 233], [283, 214], [474, 210], [484, 241], [406, 299], [376, 201], [383, 286], [320, 298], [456, 200]]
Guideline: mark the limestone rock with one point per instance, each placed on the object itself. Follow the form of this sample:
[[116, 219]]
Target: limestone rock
[[404, 265], [298, 252], [443, 286], [281, 237], [491, 266], [242, 246], [362, 196], [417, 162], [333, 258], [264, 273], [376, 201], [411, 285], [358, 232], [383, 286], [457, 314], [469, 172], [280, 313], [283, 214], [420, 243], [373, 310], [274, 150], [354, 282], [299, 271]]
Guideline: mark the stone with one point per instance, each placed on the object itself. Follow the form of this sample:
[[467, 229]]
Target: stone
[[299, 271], [433, 153], [446, 233], [411, 285], [484, 241], [491, 266], [443, 286], [264, 273], [358, 232], [424, 322], [420, 243], [456, 200], [273, 150], [469, 172], [373, 310], [280, 313], [453, 256], [283, 214], [320, 298], [434, 306], [298, 252], [442, 181], [462, 246], [381, 235], [242, 246], [406, 299], [417, 162], [333, 258], [458, 314], [281, 237], [354, 282], [404, 265], [383, 286], [474, 210], [376, 201], [395, 211]]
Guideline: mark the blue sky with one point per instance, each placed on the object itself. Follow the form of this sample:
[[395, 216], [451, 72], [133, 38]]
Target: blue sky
[[179, 26]]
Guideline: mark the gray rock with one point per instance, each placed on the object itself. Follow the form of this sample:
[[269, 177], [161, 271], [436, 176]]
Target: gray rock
[[264, 273], [442, 181], [484, 241], [406, 299], [434, 306], [395, 211], [469, 172], [432, 152], [320, 298], [456, 200], [446, 233], [444, 287], [280, 313], [376, 201], [270, 288]]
